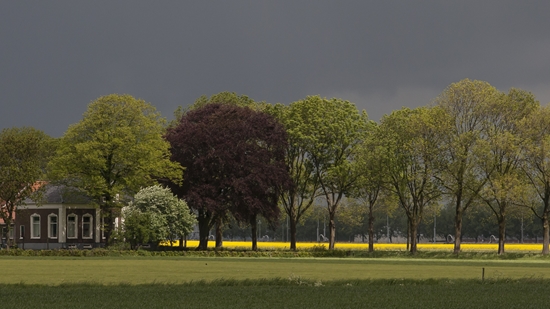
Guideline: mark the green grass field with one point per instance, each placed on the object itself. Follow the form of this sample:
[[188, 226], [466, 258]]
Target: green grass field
[[175, 270], [183, 282]]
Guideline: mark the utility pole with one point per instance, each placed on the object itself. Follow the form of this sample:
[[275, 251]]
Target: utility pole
[[434, 228], [317, 229], [388, 227]]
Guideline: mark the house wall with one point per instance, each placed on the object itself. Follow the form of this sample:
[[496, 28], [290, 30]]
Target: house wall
[[24, 218], [62, 211]]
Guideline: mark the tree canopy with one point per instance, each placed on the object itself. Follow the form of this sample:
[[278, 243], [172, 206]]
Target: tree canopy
[[156, 214], [24, 153], [234, 160], [463, 102], [115, 149], [411, 139], [330, 132]]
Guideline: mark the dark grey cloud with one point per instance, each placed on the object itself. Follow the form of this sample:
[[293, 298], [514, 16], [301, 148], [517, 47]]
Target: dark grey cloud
[[57, 56]]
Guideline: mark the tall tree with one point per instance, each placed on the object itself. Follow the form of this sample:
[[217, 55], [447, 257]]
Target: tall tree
[[331, 131], [115, 149], [369, 163], [234, 161], [411, 141], [500, 155], [228, 98], [463, 102], [535, 133], [24, 153], [300, 196]]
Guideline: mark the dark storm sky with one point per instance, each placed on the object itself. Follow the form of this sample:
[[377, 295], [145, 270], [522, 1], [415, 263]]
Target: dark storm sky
[[58, 56]]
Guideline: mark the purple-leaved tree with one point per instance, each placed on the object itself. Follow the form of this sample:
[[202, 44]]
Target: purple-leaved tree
[[234, 164]]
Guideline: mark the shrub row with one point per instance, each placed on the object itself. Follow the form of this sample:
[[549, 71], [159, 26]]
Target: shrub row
[[306, 253]]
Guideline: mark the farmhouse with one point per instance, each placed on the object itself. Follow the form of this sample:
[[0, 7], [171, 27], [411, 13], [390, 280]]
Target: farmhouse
[[63, 218]]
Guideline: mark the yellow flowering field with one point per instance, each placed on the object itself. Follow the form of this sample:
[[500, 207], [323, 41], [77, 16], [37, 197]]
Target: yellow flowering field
[[479, 247]]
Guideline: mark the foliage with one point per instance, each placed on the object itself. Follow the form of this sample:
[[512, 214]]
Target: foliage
[[411, 143], [225, 97], [113, 151], [463, 103], [156, 214], [24, 153], [534, 130], [330, 131], [499, 155], [305, 183], [234, 160]]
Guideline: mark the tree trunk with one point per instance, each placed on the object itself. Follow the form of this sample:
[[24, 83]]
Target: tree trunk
[[545, 234], [413, 232], [107, 224], [408, 234], [204, 230], [254, 230], [458, 230], [292, 221], [332, 230], [371, 230], [501, 234], [8, 229], [219, 234]]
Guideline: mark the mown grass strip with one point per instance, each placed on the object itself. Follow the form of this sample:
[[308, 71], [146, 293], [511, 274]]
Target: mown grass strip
[[173, 270]]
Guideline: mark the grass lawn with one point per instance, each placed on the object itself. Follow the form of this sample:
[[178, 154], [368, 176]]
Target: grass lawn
[[174, 270], [184, 282]]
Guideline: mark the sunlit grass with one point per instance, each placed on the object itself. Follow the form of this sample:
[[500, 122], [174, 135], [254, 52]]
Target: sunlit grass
[[468, 247]]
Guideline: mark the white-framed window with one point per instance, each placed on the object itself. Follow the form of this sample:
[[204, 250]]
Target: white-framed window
[[35, 226], [52, 226], [21, 231], [11, 232], [87, 221], [72, 231]]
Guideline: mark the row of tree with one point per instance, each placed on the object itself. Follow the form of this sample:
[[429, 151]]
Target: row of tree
[[231, 158]]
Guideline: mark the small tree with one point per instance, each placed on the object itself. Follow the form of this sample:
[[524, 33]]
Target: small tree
[[140, 228], [155, 215]]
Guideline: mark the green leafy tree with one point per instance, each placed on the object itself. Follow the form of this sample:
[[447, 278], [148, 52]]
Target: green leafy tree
[[24, 153], [155, 215], [411, 139], [499, 155], [463, 103], [330, 131], [140, 228], [369, 163], [301, 195], [535, 134], [116, 149]]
